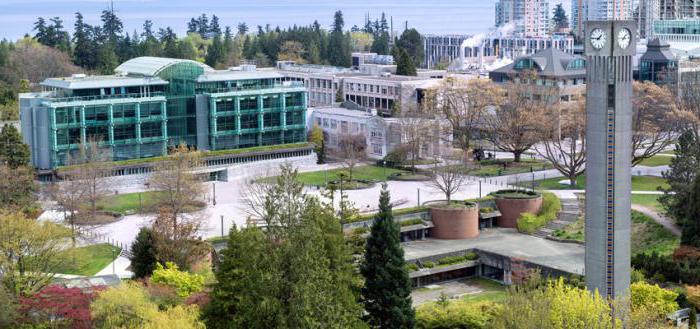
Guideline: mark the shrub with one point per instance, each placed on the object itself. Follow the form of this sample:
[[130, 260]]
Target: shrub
[[143, 251], [449, 260], [683, 253], [411, 267], [360, 230], [457, 314], [653, 298], [410, 222], [529, 223], [486, 209], [185, 283], [515, 194], [428, 264]]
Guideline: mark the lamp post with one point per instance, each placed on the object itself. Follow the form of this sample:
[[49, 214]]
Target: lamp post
[[214, 190], [114, 258], [384, 169]]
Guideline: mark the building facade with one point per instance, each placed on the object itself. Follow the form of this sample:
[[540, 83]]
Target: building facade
[[153, 103], [441, 49], [557, 74], [600, 10], [530, 18]]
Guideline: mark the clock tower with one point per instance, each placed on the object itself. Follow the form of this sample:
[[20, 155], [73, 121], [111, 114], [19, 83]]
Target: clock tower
[[609, 49]]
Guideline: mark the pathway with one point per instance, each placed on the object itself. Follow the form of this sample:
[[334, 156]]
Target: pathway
[[570, 212], [659, 218]]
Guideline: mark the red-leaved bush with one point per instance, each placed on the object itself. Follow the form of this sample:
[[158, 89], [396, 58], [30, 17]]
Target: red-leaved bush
[[59, 305]]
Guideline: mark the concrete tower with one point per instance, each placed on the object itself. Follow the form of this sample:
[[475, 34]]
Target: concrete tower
[[610, 48]]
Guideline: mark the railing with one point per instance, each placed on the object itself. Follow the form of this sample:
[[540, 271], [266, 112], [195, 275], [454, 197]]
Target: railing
[[103, 97], [290, 84]]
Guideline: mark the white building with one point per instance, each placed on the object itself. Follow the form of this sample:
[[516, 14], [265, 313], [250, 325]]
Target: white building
[[530, 17], [382, 135]]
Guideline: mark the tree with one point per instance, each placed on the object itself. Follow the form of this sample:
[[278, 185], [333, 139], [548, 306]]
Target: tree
[[361, 41], [35, 62], [564, 144], [13, 152], [681, 175], [352, 150], [84, 52], [463, 104], [17, 188], [316, 137], [654, 121], [690, 225], [215, 53], [30, 251], [448, 180], [59, 307], [559, 17], [93, 171], [513, 126], [387, 290], [404, 64], [339, 43], [412, 42], [70, 195], [297, 273], [292, 51], [143, 254], [417, 132], [380, 44], [8, 308]]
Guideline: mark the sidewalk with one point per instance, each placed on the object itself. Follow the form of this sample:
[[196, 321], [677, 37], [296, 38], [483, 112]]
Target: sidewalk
[[119, 267]]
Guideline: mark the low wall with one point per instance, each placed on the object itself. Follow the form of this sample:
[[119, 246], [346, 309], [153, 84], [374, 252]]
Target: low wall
[[511, 209], [455, 223]]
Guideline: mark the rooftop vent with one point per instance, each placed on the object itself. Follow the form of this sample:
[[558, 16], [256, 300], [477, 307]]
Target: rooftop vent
[[248, 68], [78, 76]]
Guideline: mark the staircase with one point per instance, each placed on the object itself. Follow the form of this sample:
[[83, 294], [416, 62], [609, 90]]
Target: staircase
[[570, 211]]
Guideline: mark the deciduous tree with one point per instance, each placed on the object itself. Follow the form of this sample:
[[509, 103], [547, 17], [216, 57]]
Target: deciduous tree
[[59, 307], [316, 137], [447, 179], [353, 150], [564, 135], [654, 121], [387, 290]]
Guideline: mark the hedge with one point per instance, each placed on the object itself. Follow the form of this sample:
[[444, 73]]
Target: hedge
[[457, 314], [529, 223]]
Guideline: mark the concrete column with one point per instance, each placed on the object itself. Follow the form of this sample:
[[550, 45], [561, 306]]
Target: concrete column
[[83, 137], [214, 131], [283, 115], [110, 120], [164, 126], [138, 123]]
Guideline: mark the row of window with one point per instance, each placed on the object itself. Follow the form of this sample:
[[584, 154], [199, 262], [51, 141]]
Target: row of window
[[370, 88], [96, 114]]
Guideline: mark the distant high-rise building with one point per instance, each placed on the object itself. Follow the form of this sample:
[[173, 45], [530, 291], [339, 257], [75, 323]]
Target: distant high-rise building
[[646, 12], [579, 12], [605, 10], [529, 17], [679, 9]]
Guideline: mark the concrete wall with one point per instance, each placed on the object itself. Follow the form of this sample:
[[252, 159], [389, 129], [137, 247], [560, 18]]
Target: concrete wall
[[451, 223], [511, 209]]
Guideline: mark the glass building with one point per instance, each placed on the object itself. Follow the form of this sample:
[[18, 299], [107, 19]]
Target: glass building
[[151, 103]]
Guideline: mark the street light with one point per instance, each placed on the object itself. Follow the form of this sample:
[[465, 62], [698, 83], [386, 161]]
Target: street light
[[384, 169]]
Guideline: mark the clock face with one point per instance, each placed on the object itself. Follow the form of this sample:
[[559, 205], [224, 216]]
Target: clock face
[[598, 38], [623, 38]]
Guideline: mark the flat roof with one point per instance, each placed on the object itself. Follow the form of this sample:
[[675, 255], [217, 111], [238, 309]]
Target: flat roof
[[233, 75], [101, 81], [342, 112]]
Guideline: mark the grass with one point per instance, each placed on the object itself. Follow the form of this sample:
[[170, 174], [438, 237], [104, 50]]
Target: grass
[[492, 291], [657, 160], [648, 200], [128, 203], [639, 183], [649, 236], [529, 223], [88, 260], [493, 168], [368, 172]]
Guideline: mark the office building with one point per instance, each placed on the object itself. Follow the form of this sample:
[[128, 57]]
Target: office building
[[600, 10], [530, 18], [679, 9], [152, 103], [441, 50], [557, 74], [678, 31]]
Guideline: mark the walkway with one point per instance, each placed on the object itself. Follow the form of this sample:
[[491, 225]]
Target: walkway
[[659, 218]]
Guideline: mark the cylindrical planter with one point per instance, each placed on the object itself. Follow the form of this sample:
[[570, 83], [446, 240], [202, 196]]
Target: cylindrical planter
[[511, 208], [455, 223]]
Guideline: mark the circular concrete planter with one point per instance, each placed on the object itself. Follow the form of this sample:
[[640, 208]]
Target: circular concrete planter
[[455, 222], [513, 203]]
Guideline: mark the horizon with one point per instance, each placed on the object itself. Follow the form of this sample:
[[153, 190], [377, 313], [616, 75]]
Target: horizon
[[467, 17]]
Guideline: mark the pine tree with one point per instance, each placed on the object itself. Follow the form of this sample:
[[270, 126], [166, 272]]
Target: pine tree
[[682, 171], [214, 27], [387, 290], [412, 42], [404, 64], [690, 226], [13, 152], [215, 52], [84, 52], [143, 254], [559, 17], [339, 45], [380, 44]]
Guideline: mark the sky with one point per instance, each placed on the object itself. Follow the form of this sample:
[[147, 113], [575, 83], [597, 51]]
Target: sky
[[434, 16]]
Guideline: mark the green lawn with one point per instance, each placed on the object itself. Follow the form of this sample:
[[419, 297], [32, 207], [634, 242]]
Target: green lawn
[[128, 203], [367, 172], [649, 236], [648, 200], [657, 160], [493, 168], [492, 291], [87, 260], [639, 183]]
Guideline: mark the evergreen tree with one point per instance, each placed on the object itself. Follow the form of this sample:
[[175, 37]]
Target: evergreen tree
[[380, 44], [412, 42], [107, 59], [150, 45], [387, 290], [203, 25], [192, 26], [214, 27], [143, 254], [690, 226], [682, 171], [242, 28], [84, 53], [559, 17], [339, 45], [13, 152], [168, 39], [404, 64], [228, 40], [112, 26], [215, 53]]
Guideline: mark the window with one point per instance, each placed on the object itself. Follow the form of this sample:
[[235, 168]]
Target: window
[[151, 129], [325, 123], [344, 127], [376, 148], [334, 124]]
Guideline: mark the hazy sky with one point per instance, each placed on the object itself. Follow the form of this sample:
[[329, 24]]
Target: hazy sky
[[434, 16]]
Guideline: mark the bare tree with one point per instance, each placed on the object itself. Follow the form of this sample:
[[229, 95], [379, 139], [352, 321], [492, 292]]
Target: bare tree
[[565, 139], [352, 150], [688, 101], [35, 62], [654, 122], [178, 187], [94, 170], [447, 179], [513, 126], [416, 133], [463, 104], [70, 195]]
